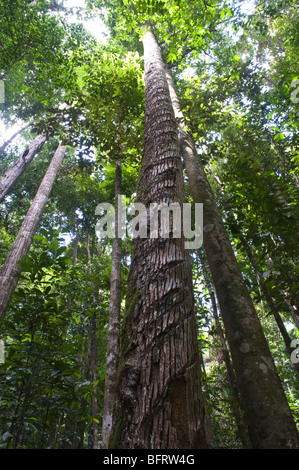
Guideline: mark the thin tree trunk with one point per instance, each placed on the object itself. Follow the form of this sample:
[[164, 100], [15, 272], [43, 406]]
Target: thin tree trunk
[[3, 75], [12, 269], [7, 142], [93, 354], [16, 427], [114, 320], [271, 304], [94, 401], [159, 401], [266, 411], [11, 176], [273, 310], [291, 299], [76, 244], [292, 307], [242, 431]]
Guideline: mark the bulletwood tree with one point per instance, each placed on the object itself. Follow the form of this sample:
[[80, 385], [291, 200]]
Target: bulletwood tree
[[12, 267], [158, 396]]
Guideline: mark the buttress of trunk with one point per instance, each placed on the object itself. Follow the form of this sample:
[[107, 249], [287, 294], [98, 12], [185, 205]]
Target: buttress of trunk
[[11, 176], [114, 320], [11, 269], [159, 401], [266, 410]]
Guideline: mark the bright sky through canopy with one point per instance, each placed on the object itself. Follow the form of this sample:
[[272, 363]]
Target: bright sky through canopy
[[94, 25]]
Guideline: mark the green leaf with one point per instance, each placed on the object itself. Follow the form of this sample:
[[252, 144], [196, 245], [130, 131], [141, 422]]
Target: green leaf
[[279, 137], [61, 250]]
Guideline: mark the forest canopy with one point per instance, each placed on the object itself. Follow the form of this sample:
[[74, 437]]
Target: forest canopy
[[114, 341]]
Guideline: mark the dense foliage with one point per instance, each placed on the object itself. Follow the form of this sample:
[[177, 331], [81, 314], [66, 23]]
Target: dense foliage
[[236, 75]]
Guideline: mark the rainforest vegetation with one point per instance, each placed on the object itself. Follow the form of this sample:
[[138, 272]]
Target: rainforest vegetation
[[125, 342]]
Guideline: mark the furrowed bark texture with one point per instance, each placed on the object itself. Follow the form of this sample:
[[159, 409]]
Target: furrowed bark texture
[[11, 176], [268, 417], [11, 269], [114, 321], [159, 403]]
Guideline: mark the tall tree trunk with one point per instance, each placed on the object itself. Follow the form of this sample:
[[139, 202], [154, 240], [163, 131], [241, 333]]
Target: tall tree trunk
[[158, 398], [94, 401], [114, 320], [291, 298], [11, 176], [11, 269], [24, 393], [270, 302], [92, 334], [290, 278], [8, 141], [242, 431], [76, 245], [292, 307], [267, 414]]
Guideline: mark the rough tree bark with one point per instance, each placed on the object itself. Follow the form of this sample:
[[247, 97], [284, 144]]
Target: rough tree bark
[[12, 269], [158, 397], [114, 320], [266, 411], [11, 176]]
